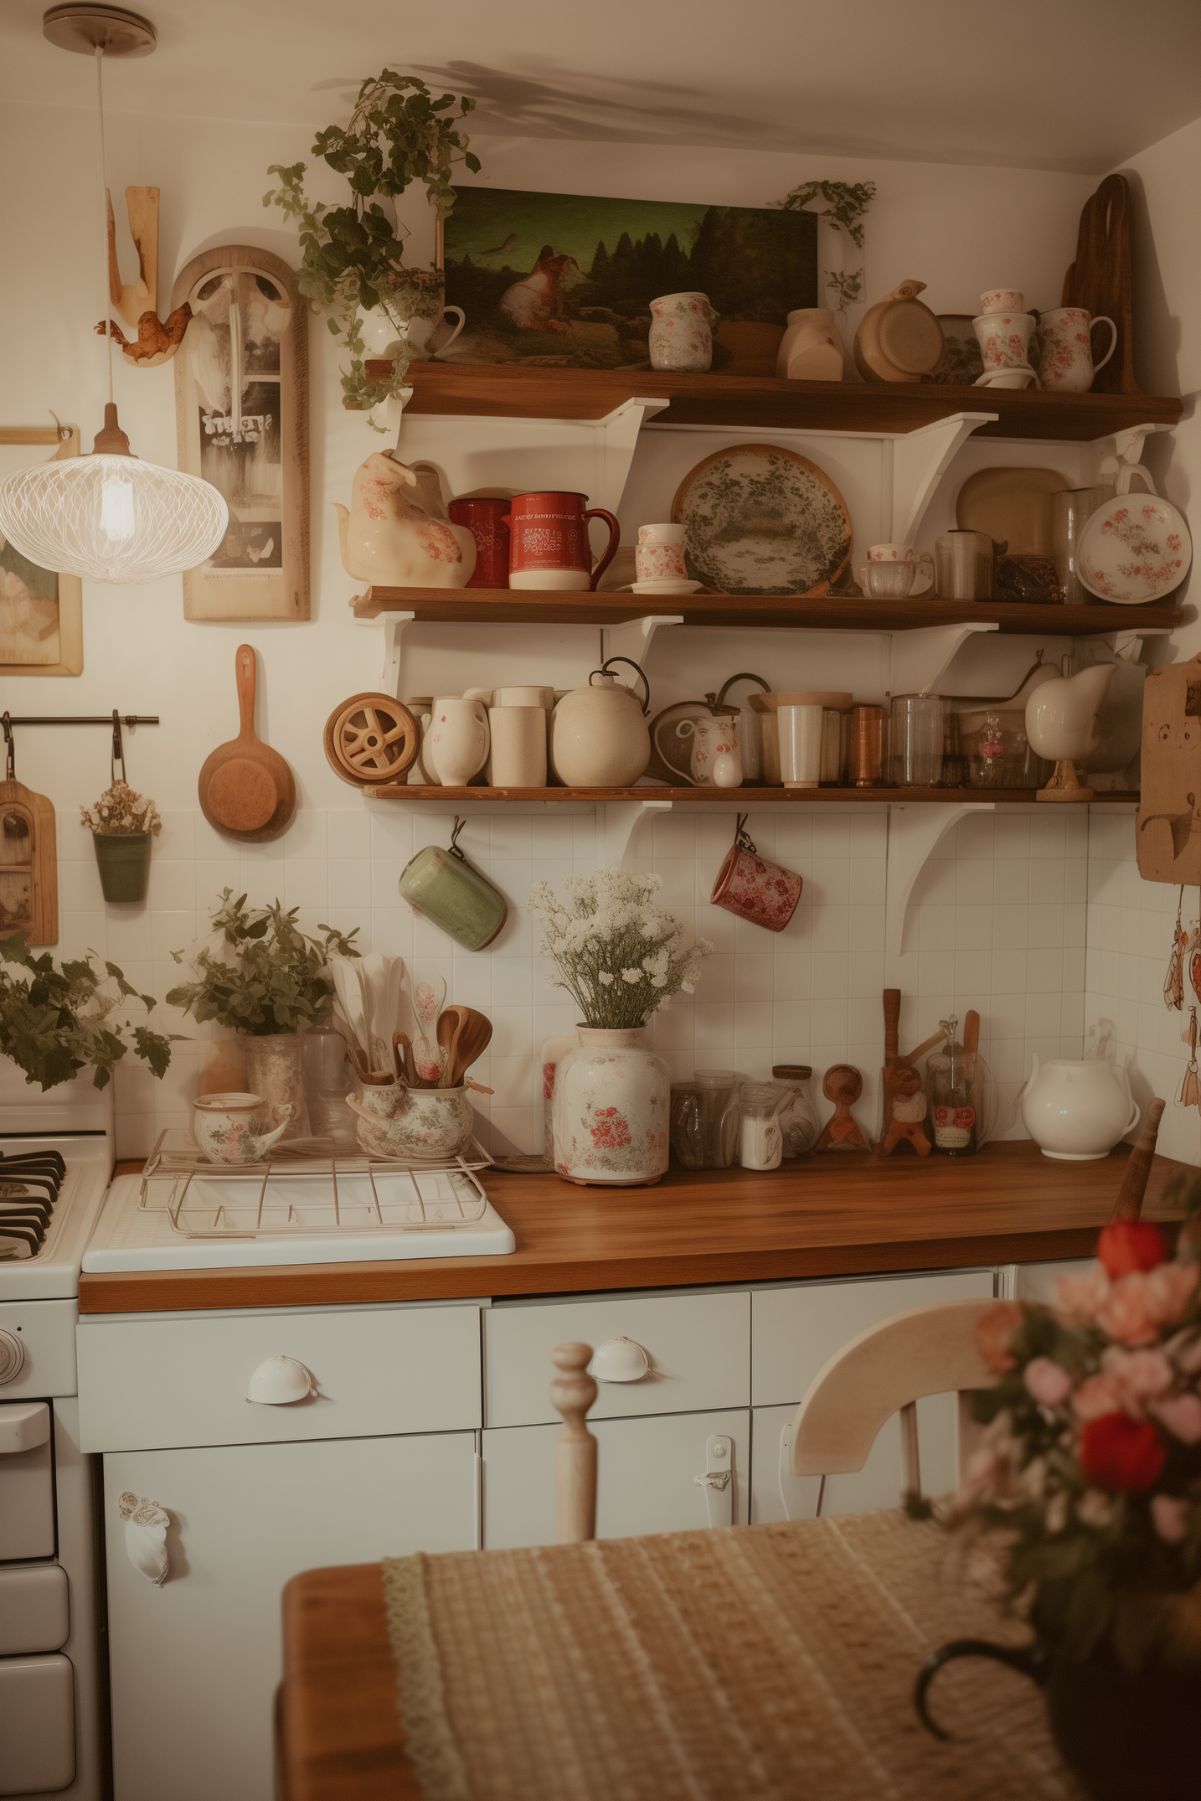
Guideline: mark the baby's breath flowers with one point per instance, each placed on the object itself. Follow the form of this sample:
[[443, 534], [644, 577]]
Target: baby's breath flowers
[[619, 955]]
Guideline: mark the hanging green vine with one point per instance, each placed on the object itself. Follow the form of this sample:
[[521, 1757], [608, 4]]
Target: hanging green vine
[[844, 207]]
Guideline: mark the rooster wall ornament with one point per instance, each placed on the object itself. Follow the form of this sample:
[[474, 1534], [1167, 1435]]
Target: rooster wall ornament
[[136, 301]]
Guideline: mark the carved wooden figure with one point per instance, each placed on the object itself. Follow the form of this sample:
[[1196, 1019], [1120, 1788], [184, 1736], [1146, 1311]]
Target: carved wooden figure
[[1168, 840], [842, 1084], [905, 1104]]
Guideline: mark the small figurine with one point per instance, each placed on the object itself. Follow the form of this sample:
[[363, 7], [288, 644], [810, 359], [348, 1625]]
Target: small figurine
[[157, 338], [842, 1085]]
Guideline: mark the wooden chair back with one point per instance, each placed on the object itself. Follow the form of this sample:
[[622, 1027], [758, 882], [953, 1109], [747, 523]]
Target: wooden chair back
[[887, 1370]]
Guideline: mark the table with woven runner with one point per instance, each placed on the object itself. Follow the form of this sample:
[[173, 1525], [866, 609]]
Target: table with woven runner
[[768, 1663]]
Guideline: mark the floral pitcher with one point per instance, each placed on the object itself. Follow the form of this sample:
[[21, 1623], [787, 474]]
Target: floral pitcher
[[397, 533]]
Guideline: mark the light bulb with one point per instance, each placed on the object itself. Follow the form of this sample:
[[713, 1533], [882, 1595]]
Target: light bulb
[[116, 506]]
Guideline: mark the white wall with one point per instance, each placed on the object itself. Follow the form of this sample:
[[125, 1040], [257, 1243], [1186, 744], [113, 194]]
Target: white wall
[[1130, 922], [974, 938]]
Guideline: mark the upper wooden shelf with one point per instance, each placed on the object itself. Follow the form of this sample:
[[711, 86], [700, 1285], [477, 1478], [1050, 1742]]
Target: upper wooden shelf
[[728, 797], [514, 391], [527, 606]]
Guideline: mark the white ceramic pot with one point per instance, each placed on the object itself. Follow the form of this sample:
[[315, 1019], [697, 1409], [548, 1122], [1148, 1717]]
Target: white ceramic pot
[[1077, 1109], [598, 734], [424, 1123], [234, 1128], [610, 1110], [457, 738], [1061, 715], [811, 349]]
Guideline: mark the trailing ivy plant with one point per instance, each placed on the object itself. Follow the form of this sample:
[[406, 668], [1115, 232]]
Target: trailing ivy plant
[[352, 255], [55, 1021], [266, 975], [844, 207]]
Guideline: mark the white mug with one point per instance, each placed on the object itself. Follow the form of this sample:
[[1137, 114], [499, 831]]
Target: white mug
[[458, 737], [800, 730], [1004, 339], [1066, 348], [518, 755]]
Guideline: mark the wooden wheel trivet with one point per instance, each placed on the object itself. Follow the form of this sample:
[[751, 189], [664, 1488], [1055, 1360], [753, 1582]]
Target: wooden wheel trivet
[[371, 738]]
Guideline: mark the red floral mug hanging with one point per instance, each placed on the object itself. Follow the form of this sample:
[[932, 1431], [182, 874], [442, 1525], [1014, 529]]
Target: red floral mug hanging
[[765, 894]]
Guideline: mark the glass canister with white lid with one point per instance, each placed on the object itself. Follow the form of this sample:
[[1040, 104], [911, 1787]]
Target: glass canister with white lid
[[798, 1116]]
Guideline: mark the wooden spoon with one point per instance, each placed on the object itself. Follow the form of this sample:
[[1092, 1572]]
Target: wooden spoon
[[246, 790], [402, 1058], [465, 1042]]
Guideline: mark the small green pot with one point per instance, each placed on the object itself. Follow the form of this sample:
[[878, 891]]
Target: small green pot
[[124, 861]]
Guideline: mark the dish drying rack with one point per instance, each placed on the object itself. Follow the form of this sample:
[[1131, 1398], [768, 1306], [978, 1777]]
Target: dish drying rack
[[299, 1192]]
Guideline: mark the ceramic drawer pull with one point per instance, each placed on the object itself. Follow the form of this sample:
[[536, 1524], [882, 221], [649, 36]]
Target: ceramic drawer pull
[[620, 1360], [280, 1382], [718, 1480], [146, 1526]]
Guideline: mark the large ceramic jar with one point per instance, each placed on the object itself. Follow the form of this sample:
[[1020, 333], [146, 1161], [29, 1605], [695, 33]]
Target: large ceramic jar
[[1077, 1109], [610, 1109]]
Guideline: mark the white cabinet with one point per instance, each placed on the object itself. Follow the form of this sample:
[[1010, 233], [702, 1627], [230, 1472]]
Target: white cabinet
[[1035, 1281], [195, 1662], [664, 1474]]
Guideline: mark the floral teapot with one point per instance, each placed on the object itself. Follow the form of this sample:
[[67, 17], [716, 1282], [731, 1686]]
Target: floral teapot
[[598, 734], [229, 1128], [397, 533]]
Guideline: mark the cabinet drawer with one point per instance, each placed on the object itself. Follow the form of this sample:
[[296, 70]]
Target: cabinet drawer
[[26, 1482], [794, 1331], [697, 1347], [165, 1382], [34, 1610]]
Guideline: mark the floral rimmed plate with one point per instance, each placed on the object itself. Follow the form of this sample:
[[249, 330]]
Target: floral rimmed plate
[[1134, 549], [762, 520]]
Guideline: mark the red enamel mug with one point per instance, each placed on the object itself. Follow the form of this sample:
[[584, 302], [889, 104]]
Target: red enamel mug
[[548, 541], [486, 518]]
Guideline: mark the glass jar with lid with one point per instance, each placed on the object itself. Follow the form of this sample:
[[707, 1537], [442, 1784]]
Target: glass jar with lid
[[798, 1116], [704, 1120], [760, 1144]]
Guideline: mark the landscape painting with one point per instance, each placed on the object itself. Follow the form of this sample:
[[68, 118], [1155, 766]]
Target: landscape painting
[[568, 279]]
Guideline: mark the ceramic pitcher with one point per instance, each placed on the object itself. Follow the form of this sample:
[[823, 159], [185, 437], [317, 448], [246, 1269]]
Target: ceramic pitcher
[[397, 533], [1066, 348], [548, 540], [681, 334], [1076, 1109], [458, 738]]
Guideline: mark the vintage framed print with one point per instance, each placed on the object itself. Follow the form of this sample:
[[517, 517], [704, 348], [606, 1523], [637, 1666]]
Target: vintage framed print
[[241, 408], [41, 613], [568, 278]]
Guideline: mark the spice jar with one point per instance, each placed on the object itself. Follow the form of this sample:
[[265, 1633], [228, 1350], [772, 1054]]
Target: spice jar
[[798, 1116]]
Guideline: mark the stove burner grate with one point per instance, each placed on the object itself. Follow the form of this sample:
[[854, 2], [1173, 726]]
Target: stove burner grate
[[29, 1186]]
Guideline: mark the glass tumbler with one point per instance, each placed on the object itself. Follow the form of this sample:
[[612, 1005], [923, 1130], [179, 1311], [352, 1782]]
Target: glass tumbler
[[1072, 508], [916, 740]]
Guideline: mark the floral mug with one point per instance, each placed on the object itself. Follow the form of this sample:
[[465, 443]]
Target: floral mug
[[1066, 348], [234, 1128], [681, 334], [747, 885]]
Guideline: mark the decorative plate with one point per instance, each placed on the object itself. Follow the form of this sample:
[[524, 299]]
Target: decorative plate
[[961, 360], [1134, 549], [762, 520], [1015, 506]]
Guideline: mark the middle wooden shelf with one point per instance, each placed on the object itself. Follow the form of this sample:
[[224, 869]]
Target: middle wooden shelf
[[730, 797]]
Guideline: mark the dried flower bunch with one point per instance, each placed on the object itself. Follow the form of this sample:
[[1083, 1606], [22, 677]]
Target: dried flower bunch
[[619, 955], [121, 810], [1090, 1465], [265, 974], [56, 1021]]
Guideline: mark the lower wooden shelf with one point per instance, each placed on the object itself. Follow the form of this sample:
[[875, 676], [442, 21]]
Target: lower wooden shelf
[[730, 797]]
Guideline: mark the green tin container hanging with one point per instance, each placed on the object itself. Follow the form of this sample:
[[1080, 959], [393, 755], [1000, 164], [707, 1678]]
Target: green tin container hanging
[[445, 888]]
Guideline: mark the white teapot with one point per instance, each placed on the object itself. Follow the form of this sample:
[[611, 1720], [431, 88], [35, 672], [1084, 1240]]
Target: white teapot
[[598, 734], [397, 533], [1076, 1109]]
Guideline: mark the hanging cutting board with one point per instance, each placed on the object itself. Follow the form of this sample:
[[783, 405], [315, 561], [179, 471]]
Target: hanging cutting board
[[28, 865], [246, 790], [1169, 813], [1102, 278], [241, 407]]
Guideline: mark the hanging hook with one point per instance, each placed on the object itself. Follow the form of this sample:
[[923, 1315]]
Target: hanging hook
[[742, 837], [454, 838], [10, 766], [117, 760]]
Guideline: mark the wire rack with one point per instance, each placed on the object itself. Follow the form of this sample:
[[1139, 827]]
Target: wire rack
[[309, 1190]]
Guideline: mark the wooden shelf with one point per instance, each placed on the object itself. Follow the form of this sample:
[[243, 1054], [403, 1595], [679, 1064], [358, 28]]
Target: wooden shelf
[[728, 797], [527, 606], [513, 391]]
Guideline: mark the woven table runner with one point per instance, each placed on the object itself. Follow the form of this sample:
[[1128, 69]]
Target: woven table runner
[[765, 1662]]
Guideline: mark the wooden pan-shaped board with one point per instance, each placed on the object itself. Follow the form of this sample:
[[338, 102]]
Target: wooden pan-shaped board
[[1015, 506], [28, 865], [245, 788], [371, 738], [241, 408], [1168, 838], [1102, 278]]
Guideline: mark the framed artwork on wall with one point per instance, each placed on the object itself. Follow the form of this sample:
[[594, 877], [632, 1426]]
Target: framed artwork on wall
[[41, 613], [568, 278], [241, 409]]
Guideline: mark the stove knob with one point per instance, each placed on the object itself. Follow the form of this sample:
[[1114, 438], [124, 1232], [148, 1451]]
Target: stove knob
[[12, 1356]]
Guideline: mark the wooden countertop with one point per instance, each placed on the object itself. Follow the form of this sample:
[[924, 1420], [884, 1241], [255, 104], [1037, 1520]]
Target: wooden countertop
[[838, 1215]]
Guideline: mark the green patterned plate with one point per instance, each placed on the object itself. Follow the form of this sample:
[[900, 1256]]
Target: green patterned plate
[[762, 520]]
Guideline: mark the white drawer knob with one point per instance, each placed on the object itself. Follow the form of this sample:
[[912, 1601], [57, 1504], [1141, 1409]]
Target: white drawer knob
[[12, 1356], [279, 1382], [619, 1360]]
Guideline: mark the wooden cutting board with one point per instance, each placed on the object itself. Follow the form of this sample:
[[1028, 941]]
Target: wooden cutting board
[[245, 788], [28, 865], [1102, 279]]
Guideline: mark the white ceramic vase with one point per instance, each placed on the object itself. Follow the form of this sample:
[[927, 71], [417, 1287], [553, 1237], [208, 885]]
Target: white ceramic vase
[[610, 1109], [458, 739], [1077, 1109]]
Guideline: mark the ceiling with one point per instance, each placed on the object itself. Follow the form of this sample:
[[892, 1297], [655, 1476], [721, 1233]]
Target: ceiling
[[1058, 84]]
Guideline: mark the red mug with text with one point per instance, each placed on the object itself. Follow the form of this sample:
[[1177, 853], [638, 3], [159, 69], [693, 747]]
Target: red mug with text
[[548, 541], [486, 518]]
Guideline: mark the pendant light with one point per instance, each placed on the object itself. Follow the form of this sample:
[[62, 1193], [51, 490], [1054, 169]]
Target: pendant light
[[109, 515]]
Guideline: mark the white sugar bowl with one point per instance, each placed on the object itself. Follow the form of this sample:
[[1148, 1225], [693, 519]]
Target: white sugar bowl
[[1077, 1109]]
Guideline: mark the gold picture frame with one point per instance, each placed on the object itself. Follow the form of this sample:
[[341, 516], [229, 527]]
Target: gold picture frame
[[41, 612]]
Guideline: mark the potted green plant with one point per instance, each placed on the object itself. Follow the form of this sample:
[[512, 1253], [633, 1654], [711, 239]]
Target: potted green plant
[[122, 823], [352, 256], [56, 1020], [267, 981]]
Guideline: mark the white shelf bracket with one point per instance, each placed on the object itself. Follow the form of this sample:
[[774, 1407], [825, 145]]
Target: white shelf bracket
[[1126, 447], [920, 658], [618, 822], [394, 630], [616, 442], [634, 637], [919, 461], [914, 833]]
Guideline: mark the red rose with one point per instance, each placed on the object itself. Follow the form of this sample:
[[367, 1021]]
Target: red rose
[[1122, 1455], [1127, 1245]]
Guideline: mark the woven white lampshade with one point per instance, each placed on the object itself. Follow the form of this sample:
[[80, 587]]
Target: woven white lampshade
[[112, 517]]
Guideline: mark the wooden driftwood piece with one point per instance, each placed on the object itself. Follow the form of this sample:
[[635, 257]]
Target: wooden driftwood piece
[[1102, 278], [130, 299], [1129, 1203]]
